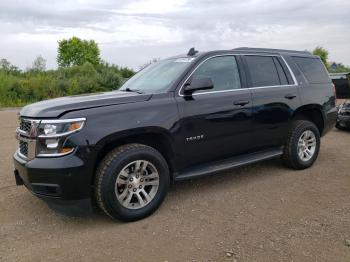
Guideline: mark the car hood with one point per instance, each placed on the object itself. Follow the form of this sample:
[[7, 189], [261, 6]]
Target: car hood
[[56, 107]]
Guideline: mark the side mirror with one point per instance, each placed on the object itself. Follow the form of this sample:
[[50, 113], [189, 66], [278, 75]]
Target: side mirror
[[196, 84]]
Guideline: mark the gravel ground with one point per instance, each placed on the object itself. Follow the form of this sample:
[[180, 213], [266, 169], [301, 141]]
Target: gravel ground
[[263, 212]]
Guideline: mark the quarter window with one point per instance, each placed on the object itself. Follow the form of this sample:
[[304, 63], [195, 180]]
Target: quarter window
[[222, 70], [263, 71], [313, 69]]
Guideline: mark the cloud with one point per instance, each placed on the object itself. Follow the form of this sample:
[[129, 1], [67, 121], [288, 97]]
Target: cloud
[[132, 32]]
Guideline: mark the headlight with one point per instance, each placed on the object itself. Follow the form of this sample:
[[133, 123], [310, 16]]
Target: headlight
[[50, 129], [58, 128], [52, 135]]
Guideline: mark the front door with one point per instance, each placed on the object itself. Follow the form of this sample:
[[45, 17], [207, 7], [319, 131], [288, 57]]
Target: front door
[[216, 123]]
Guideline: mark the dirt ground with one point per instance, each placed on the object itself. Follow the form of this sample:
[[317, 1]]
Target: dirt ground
[[263, 212]]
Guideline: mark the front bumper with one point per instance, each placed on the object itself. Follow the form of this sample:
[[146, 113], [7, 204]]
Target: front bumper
[[343, 121], [62, 182]]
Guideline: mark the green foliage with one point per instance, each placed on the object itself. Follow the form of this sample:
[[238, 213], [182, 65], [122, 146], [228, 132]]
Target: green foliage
[[322, 53], [39, 64], [332, 67], [20, 88], [80, 71], [7, 67], [338, 68], [76, 52]]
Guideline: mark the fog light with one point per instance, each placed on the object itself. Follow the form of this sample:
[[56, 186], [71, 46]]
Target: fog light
[[51, 143]]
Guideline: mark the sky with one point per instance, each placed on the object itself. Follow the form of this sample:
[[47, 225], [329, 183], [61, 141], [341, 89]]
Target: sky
[[130, 32]]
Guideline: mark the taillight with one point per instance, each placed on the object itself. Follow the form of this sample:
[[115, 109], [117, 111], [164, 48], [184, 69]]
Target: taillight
[[335, 91]]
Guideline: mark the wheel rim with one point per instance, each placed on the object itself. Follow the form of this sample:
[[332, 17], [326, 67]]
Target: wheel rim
[[306, 145], [137, 184]]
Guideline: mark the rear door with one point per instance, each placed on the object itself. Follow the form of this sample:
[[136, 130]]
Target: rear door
[[216, 123], [275, 97]]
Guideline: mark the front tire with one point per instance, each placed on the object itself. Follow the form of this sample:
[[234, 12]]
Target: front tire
[[131, 182], [302, 145]]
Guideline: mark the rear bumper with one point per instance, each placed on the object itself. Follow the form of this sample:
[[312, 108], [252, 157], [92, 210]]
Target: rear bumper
[[58, 181]]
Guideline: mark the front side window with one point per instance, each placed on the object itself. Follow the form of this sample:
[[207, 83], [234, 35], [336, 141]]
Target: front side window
[[223, 72], [262, 70]]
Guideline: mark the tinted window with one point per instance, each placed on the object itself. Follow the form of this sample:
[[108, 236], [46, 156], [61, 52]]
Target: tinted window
[[313, 69], [222, 70], [281, 74], [262, 71]]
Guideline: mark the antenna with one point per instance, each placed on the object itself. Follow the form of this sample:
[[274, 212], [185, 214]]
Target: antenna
[[192, 52]]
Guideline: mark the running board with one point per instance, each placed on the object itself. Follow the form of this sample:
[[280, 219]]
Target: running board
[[229, 163]]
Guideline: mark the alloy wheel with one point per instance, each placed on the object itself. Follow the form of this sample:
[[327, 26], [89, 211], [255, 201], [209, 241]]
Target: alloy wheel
[[306, 145], [137, 184]]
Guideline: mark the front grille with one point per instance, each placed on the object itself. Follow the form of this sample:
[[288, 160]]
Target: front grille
[[25, 125], [26, 134], [23, 148]]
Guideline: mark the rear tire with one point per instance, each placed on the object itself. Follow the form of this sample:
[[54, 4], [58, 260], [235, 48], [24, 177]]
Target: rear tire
[[302, 145], [131, 182]]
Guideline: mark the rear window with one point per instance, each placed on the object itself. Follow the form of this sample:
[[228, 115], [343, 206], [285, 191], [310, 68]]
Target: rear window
[[313, 69], [262, 70]]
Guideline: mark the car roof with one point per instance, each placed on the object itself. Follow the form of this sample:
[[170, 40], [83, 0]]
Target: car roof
[[274, 51], [251, 50]]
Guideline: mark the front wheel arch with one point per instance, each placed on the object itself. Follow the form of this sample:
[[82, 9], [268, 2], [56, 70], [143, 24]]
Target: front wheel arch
[[155, 137]]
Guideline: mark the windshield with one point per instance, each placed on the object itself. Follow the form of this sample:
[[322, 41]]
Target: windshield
[[157, 77]]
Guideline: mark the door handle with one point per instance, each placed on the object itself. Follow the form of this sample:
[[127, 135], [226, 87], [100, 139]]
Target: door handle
[[290, 96], [241, 102]]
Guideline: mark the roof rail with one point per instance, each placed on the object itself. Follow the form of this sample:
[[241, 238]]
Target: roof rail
[[269, 50]]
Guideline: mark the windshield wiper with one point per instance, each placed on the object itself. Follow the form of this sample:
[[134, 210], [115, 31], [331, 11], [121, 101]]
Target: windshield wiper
[[131, 90]]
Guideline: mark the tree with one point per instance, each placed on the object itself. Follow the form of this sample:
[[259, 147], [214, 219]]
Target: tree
[[39, 64], [322, 53], [6, 66], [75, 52]]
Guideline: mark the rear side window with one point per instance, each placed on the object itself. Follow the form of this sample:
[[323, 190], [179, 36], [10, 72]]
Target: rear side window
[[313, 69], [262, 70]]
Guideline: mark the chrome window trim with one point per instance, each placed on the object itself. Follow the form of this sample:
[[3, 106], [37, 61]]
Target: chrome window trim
[[290, 71], [238, 89]]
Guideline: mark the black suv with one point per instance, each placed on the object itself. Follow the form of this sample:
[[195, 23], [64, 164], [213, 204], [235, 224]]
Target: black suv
[[180, 118]]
